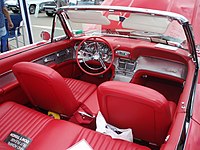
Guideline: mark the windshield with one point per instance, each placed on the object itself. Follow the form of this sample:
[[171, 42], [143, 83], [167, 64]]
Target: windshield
[[154, 28]]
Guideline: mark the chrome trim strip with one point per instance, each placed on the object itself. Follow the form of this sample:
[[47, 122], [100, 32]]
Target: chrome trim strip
[[181, 19]]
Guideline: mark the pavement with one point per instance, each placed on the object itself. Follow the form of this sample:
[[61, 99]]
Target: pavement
[[39, 23]]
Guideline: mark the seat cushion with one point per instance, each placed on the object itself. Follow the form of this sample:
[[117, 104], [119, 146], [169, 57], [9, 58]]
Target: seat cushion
[[80, 89], [51, 134], [100, 141], [17, 118], [64, 134], [5, 146]]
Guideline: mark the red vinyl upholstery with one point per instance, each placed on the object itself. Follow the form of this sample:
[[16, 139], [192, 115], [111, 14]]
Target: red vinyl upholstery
[[14, 117], [4, 146], [80, 89], [128, 105], [169, 86], [47, 89], [51, 134]]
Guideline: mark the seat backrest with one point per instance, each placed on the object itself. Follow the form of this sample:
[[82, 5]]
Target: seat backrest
[[45, 88], [144, 110]]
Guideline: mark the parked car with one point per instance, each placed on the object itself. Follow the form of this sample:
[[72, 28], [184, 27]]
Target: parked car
[[13, 5], [138, 66], [86, 2], [50, 7]]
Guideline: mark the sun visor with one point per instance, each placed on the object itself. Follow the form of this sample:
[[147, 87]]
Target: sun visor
[[88, 17], [146, 23]]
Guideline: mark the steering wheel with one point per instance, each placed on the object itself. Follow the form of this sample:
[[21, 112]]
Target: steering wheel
[[90, 50]]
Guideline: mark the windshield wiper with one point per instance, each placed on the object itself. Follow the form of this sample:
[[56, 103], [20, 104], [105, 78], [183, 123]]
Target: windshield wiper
[[158, 38], [168, 40]]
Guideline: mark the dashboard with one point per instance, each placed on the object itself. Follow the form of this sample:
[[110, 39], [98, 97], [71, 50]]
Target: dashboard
[[125, 66]]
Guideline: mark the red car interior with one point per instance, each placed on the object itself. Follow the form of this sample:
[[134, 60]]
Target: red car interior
[[48, 90], [158, 99], [169, 86], [138, 65], [48, 133]]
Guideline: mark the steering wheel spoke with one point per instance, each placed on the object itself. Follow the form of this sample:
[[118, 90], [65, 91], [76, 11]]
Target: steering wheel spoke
[[83, 55], [102, 63]]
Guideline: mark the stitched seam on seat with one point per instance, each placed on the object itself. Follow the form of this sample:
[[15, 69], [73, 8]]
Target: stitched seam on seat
[[42, 127], [80, 94], [100, 143], [19, 126], [70, 84], [39, 124], [78, 88], [6, 125], [103, 143], [113, 145], [26, 123], [89, 138], [77, 137], [6, 112], [86, 90], [15, 115]]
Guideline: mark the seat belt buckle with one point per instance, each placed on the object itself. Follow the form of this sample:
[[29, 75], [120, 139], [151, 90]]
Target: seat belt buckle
[[84, 114], [53, 115]]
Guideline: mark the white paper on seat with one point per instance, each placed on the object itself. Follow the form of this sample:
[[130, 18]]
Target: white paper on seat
[[114, 132], [81, 145]]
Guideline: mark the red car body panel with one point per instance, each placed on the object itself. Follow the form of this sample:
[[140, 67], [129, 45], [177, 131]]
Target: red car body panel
[[193, 140]]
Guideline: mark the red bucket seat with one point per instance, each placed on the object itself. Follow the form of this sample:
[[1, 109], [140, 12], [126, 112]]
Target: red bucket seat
[[144, 110], [47, 89]]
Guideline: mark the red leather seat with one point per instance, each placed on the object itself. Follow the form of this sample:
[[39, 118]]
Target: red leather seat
[[48, 133], [80, 89], [128, 105], [4, 146], [47, 89]]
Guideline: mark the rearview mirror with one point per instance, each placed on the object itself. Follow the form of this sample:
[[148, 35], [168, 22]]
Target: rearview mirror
[[116, 17], [45, 35]]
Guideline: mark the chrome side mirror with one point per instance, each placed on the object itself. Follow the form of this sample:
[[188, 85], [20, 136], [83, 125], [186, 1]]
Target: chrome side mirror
[[45, 35]]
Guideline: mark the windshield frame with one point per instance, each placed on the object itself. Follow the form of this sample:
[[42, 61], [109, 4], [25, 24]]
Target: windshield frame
[[173, 16]]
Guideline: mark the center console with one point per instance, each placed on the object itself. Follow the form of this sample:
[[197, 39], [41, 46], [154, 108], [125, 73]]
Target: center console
[[124, 69]]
